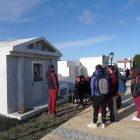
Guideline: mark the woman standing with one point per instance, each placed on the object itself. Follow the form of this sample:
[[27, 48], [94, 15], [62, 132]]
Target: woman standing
[[53, 90], [135, 89]]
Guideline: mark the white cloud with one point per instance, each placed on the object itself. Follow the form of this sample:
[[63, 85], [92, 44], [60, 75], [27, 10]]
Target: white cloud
[[87, 17], [16, 10], [129, 4], [72, 5], [50, 12], [138, 18], [122, 21], [100, 4], [60, 4], [85, 42]]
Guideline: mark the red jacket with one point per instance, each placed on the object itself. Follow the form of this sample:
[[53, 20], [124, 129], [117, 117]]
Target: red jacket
[[52, 80], [114, 84]]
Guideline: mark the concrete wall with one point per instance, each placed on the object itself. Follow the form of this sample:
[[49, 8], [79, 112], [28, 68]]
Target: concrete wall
[[121, 66], [12, 84], [128, 65], [68, 70], [63, 68], [36, 92], [21, 90], [3, 83], [90, 62]]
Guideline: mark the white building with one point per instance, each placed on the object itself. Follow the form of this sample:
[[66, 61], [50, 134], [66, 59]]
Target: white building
[[124, 64], [89, 63], [68, 70], [23, 83]]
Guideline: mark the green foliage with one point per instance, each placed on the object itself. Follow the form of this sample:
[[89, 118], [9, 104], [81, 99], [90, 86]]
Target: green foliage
[[136, 59], [4, 137]]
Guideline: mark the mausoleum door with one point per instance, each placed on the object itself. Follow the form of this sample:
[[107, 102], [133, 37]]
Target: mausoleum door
[[37, 84]]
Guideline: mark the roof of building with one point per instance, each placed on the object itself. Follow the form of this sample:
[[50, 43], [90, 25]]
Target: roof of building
[[21, 45], [15, 42]]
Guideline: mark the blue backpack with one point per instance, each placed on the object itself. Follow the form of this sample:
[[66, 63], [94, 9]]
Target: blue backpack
[[122, 87]]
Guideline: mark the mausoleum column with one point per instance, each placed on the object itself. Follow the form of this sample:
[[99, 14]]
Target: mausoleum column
[[21, 88]]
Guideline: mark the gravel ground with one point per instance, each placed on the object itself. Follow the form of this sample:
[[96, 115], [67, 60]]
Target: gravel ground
[[38, 126]]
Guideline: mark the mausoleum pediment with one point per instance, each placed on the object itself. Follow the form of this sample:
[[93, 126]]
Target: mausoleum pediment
[[40, 45], [37, 45]]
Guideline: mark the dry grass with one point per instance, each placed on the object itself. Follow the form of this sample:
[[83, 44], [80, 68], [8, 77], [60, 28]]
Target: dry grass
[[38, 126]]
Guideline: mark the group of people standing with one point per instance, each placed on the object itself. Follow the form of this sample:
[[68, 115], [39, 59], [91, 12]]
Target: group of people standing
[[104, 88], [107, 86], [81, 90], [104, 91]]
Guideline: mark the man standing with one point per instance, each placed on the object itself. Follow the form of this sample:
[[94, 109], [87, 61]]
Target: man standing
[[99, 91], [112, 100], [53, 90]]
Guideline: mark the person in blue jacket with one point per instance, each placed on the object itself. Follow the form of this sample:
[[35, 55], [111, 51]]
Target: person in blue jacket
[[99, 91]]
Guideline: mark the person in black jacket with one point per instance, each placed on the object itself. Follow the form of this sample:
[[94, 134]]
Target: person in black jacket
[[77, 90]]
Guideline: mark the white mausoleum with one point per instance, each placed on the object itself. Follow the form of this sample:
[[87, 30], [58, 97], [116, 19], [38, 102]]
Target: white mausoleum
[[68, 70], [23, 66], [89, 63]]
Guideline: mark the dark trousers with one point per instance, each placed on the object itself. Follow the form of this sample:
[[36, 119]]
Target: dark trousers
[[119, 102], [110, 106], [75, 97], [80, 96], [97, 102]]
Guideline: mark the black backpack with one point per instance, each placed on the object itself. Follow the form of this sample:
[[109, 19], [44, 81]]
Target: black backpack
[[136, 87]]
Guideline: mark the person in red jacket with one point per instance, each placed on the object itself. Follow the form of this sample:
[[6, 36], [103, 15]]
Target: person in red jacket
[[135, 73], [53, 87], [112, 99]]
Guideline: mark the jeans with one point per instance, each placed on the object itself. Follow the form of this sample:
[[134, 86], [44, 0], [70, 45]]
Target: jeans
[[97, 102], [112, 105]]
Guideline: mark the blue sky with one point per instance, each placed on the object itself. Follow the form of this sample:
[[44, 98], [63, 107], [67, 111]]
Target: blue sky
[[78, 28]]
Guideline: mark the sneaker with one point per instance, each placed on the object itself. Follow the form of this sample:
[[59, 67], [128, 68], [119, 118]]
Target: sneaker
[[81, 106], [49, 113], [103, 125], [92, 125], [53, 115], [135, 119], [100, 114]]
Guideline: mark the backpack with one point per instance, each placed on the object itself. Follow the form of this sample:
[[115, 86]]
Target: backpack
[[136, 87], [102, 85], [122, 87]]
